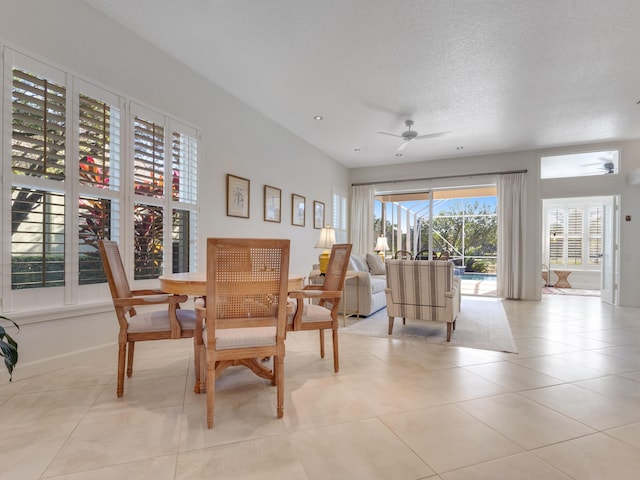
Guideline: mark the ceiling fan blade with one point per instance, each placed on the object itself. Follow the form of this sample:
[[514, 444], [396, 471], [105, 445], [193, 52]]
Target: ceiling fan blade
[[432, 135], [401, 147], [390, 134]]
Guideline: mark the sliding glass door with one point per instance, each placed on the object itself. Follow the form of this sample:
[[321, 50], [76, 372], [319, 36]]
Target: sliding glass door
[[460, 223]]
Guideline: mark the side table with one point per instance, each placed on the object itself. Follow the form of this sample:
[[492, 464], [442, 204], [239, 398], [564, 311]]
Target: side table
[[563, 281]]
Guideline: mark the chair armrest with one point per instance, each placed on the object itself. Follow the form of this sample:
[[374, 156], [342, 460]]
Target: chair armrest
[[306, 291], [315, 293], [148, 291], [150, 300]]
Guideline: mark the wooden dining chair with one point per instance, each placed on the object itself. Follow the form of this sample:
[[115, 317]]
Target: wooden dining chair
[[422, 255], [157, 324], [244, 316], [323, 315]]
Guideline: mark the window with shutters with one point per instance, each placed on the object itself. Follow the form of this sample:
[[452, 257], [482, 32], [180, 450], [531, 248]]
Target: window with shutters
[[66, 190], [574, 236], [165, 190], [595, 235], [339, 215], [99, 126], [575, 220], [38, 153]]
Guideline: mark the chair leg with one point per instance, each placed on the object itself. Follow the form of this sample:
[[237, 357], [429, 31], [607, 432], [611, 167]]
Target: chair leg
[[336, 362], [196, 362], [404, 321], [391, 319], [122, 354], [278, 371], [211, 389], [449, 326], [202, 351], [321, 343], [130, 358]]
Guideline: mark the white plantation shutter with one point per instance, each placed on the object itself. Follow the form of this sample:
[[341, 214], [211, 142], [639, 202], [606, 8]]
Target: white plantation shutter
[[339, 215], [184, 162], [148, 158], [38, 162], [595, 236], [99, 143], [556, 236], [99, 135], [575, 236], [39, 119], [184, 196]]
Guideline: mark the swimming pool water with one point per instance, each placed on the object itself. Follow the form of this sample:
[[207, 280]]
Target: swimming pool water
[[479, 276]]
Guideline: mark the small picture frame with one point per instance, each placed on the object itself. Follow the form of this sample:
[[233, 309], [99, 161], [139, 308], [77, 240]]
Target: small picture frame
[[238, 196], [297, 209], [318, 214], [272, 204]]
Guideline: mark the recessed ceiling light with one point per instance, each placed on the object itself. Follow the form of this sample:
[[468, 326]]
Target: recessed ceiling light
[[356, 149], [317, 117], [398, 154], [459, 148]]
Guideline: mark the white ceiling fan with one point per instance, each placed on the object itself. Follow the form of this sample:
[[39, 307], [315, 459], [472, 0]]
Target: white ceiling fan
[[411, 135]]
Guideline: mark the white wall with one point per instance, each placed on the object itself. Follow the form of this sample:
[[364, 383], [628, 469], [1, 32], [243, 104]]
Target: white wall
[[536, 191], [235, 139]]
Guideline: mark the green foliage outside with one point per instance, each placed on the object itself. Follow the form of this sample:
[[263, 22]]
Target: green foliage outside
[[468, 232]]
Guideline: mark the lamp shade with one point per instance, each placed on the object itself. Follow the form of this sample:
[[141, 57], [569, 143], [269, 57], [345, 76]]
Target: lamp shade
[[327, 238], [381, 244]]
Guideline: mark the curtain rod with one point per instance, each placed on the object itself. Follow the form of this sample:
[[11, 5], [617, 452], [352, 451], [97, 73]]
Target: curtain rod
[[469, 175]]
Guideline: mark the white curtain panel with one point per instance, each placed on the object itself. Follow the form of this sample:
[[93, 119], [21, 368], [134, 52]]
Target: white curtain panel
[[512, 220], [362, 218]]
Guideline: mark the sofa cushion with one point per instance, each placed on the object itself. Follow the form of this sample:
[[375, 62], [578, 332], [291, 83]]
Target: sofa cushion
[[376, 265], [378, 283], [358, 263]]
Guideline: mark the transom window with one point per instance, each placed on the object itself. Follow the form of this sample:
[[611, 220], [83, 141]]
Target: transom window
[[580, 164]]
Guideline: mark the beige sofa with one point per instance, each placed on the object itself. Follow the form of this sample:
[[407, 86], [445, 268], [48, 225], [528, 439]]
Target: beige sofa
[[364, 287]]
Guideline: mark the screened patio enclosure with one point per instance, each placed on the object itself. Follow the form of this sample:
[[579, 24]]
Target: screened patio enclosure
[[462, 222]]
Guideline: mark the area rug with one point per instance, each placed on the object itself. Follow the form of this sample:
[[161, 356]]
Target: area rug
[[570, 291], [482, 323]]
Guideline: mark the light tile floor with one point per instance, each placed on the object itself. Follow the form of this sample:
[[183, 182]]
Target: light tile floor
[[567, 406]]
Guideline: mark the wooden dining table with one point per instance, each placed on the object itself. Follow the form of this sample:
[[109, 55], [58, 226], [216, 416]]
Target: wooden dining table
[[195, 283]]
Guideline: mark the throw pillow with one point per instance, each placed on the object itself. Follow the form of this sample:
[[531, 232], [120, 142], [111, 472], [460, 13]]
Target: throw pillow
[[358, 263], [376, 265]]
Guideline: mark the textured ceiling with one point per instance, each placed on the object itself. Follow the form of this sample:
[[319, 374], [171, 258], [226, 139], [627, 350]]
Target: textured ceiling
[[501, 75]]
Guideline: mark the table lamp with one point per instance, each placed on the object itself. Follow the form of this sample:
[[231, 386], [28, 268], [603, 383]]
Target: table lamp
[[326, 241], [381, 246]]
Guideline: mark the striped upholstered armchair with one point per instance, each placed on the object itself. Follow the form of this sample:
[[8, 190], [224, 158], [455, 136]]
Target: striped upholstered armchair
[[422, 290]]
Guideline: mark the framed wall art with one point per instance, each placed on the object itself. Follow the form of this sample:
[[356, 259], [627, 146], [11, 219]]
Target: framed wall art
[[272, 204], [238, 193], [297, 209], [318, 214]]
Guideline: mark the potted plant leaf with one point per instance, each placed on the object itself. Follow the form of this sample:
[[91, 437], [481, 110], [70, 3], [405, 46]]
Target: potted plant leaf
[[8, 347]]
